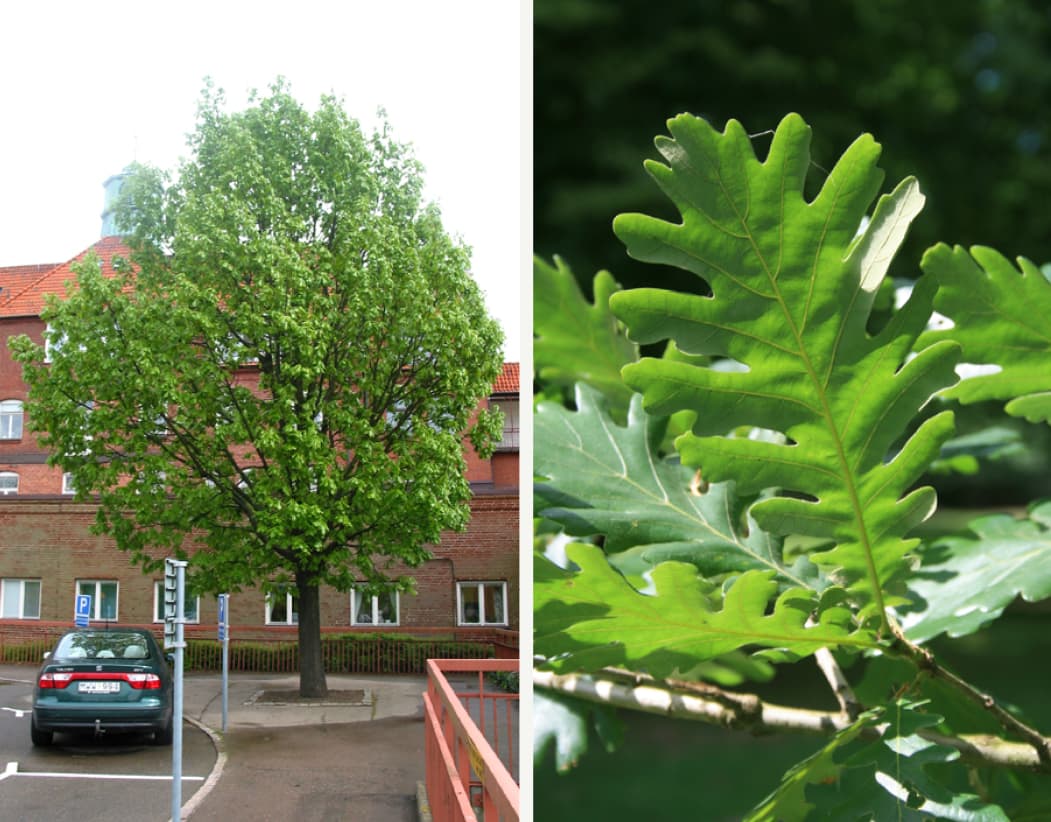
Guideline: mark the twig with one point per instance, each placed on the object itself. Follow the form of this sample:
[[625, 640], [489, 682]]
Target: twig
[[848, 702], [714, 705], [924, 660]]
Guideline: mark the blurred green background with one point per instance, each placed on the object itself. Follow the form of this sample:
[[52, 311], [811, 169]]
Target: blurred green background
[[959, 95]]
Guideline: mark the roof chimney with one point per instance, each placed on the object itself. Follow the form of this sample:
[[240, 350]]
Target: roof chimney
[[112, 186]]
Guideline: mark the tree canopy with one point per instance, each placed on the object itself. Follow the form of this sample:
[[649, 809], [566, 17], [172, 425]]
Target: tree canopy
[[277, 382]]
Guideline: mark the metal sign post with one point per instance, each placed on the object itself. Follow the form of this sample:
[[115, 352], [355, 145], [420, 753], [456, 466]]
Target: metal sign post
[[174, 610], [224, 637]]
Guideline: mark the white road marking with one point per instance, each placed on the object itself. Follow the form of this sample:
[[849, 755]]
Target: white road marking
[[12, 770], [63, 775], [15, 711]]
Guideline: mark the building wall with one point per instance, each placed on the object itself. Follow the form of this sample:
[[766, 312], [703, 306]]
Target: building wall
[[51, 541]]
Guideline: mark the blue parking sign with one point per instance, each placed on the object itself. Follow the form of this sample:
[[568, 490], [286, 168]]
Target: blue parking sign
[[83, 610]]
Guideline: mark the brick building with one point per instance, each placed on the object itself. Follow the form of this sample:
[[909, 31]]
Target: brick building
[[48, 553]]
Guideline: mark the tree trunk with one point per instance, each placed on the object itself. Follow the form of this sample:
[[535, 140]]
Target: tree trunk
[[311, 666]]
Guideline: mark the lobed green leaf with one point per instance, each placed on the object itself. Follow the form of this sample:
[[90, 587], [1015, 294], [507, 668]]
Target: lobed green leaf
[[575, 341], [963, 583], [605, 479], [792, 286], [592, 618], [999, 314]]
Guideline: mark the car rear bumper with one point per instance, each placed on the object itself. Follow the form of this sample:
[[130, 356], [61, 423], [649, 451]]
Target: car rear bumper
[[97, 717]]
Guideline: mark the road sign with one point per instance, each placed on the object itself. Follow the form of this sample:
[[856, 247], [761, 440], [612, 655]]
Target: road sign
[[82, 610], [223, 616], [171, 598]]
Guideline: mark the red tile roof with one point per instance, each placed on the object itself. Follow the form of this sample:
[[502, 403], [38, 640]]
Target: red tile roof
[[26, 298], [15, 277], [507, 382]]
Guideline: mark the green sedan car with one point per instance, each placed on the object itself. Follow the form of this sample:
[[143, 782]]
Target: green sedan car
[[103, 680]]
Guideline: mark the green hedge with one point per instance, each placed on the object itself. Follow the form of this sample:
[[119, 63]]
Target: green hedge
[[28, 652], [342, 654]]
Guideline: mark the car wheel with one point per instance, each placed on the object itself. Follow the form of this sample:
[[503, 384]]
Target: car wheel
[[164, 735], [40, 738]]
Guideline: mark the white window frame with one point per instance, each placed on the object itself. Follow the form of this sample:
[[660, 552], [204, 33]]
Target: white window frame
[[51, 343], [512, 429], [8, 491], [292, 612], [96, 598], [483, 620], [191, 607], [375, 621], [21, 597], [12, 419], [67, 484]]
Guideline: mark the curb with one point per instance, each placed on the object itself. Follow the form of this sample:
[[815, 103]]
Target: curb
[[213, 778], [423, 807]]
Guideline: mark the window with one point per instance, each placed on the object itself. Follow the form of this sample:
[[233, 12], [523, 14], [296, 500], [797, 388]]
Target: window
[[282, 609], [67, 484], [381, 609], [191, 607], [20, 599], [52, 342], [509, 440], [481, 603], [103, 593], [8, 483], [10, 420]]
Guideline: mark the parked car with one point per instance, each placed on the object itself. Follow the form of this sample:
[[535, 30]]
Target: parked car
[[103, 680]]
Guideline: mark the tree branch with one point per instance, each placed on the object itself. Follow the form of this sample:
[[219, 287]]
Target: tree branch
[[708, 703], [924, 660], [848, 702]]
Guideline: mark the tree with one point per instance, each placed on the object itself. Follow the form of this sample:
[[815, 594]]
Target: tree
[[750, 498], [277, 382]]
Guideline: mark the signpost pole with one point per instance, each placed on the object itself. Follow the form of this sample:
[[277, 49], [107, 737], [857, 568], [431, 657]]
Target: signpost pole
[[224, 637], [174, 608]]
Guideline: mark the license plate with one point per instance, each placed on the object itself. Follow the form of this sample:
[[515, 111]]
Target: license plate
[[98, 687]]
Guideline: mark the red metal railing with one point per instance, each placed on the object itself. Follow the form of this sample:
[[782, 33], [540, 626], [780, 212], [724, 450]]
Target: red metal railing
[[470, 742]]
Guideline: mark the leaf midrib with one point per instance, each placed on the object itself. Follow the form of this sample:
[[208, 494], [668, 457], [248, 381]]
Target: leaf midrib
[[826, 411]]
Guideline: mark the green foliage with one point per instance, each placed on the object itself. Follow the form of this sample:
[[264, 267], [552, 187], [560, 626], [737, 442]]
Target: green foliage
[[998, 313], [505, 680], [756, 500], [295, 249], [575, 341], [592, 618], [857, 777], [963, 583], [562, 723], [793, 283], [601, 478], [960, 94]]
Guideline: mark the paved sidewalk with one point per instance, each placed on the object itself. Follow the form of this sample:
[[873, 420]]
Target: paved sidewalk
[[357, 755], [272, 700]]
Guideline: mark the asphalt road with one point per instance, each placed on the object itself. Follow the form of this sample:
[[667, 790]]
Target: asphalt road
[[81, 778]]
